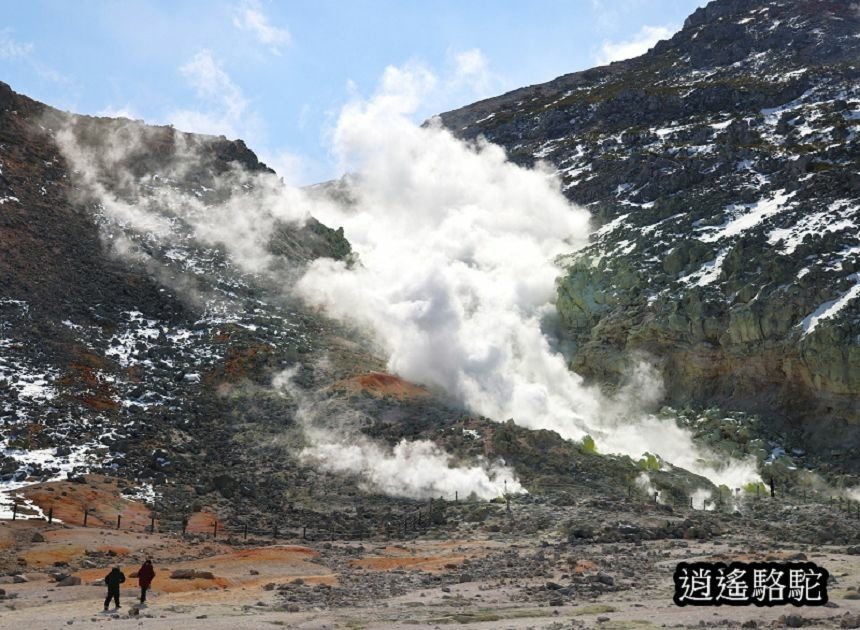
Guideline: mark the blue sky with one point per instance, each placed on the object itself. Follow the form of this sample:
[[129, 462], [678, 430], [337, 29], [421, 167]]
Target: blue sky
[[278, 73]]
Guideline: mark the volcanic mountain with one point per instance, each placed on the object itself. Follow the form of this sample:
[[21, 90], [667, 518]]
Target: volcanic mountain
[[723, 170], [139, 340]]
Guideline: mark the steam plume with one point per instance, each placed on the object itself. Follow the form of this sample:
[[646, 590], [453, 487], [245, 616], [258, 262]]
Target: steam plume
[[458, 248], [418, 469]]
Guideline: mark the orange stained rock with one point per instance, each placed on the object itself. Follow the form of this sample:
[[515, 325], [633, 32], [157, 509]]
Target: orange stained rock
[[380, 384]]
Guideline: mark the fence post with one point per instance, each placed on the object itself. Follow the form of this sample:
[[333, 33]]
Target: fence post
[[691, 502], [50, 514], [152, 524], [14, 510], [245, 532], [86, 514], [118, 520], [304, 532], [275, 531], [215, 528], [184, 525]]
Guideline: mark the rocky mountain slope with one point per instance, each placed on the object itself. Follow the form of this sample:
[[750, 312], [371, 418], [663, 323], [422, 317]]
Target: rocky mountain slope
[[127, 353], [148, 330], [722, 169], [140, 342]]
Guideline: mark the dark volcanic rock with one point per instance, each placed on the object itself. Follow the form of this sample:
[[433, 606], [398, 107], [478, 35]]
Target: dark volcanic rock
[[721, 168]]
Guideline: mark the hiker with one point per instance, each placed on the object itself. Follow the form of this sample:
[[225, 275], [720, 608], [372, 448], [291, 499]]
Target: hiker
[[113, 580], [144, 578]]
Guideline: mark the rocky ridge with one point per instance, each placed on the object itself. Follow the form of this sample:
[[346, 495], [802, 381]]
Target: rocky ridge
[[722, 170]]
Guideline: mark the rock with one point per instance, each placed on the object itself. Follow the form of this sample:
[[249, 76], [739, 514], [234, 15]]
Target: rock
[[71, 580], [793, 621], [204, 575], [465, 577], [182, 574], [19, 579], [850, 621], [605, 578], [37, 538]]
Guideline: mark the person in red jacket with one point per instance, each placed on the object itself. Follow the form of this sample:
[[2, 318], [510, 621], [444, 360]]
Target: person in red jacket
[[144, 578]]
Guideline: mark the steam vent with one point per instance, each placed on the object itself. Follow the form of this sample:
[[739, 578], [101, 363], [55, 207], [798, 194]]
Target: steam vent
[[542, 361]]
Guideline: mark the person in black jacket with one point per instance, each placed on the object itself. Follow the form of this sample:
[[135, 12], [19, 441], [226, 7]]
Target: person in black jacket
[[113, 580]]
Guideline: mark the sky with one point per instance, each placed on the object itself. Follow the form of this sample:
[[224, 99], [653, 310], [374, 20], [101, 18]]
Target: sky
[[278, 74]]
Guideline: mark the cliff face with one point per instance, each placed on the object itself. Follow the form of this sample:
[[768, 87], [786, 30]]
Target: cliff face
[[722, 170]]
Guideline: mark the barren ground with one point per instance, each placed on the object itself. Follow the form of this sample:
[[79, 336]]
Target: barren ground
[[496, 574]]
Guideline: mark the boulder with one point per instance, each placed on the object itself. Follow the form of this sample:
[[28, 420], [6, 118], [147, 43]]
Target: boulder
[[70, 580]]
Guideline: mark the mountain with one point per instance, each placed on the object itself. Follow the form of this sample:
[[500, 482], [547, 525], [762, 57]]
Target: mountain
[[721, 168], [128, 354], [149, 332]]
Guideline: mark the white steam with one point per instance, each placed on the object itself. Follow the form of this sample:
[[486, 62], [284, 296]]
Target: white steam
[[418, 469], [703, 499], [643, 481], [457, 273], [457, 247]]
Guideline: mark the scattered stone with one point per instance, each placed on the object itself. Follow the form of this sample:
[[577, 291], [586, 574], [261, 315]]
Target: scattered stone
[[70, 580], [605, 578]]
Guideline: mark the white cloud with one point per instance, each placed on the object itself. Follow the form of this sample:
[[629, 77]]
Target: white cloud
[[211, 82], [15, 51], [252, 18], [633, 47], [471, 63], [472, 77], [11, 48], [225, 108], [126, 111]]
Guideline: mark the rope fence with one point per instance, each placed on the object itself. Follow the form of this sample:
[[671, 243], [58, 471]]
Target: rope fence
[[412, 522]]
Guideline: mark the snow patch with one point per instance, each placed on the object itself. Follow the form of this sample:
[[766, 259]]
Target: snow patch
[[748, 216], [832, 308]]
